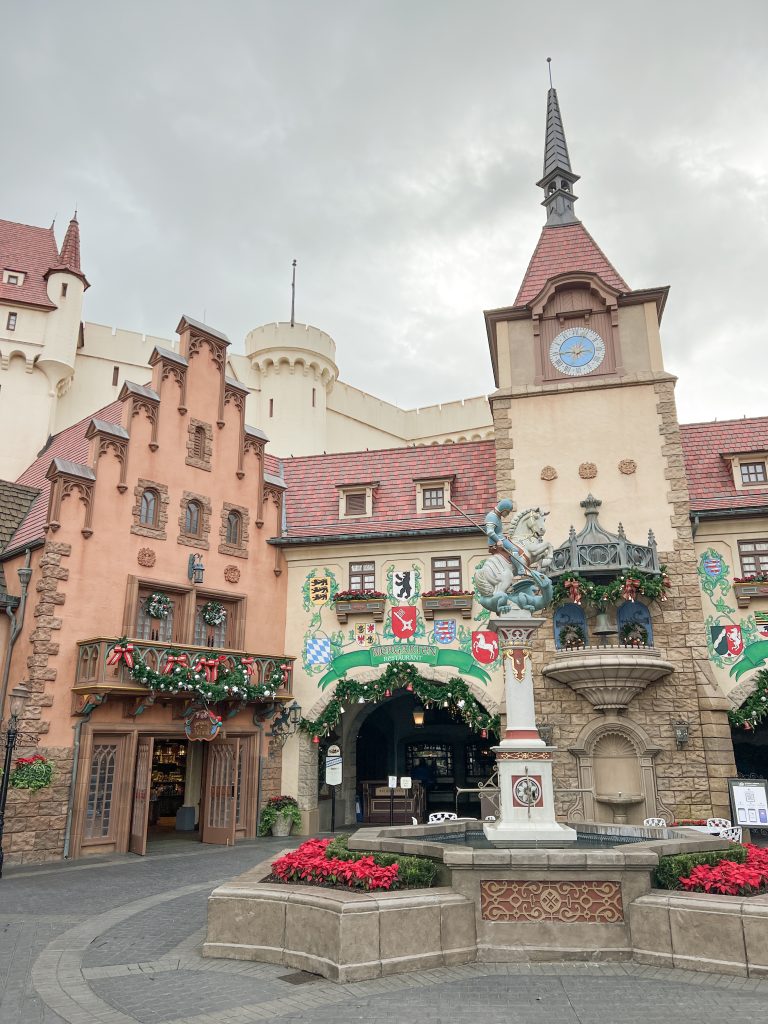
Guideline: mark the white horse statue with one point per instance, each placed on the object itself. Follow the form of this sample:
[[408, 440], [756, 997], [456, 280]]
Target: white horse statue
[[508, 576]]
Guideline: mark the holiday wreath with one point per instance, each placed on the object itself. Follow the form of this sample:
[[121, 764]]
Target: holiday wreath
[[213, 613], [158, 605]]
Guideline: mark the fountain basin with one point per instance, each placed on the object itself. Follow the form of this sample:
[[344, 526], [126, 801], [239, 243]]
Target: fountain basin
[[493, 904]]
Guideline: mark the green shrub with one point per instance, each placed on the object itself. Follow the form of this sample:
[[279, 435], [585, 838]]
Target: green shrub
[[672, 869], [285, 805], [414, 873]]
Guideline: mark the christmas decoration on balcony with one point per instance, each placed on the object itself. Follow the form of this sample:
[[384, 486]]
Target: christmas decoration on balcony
[[213, 613], [122, 651], [755, 707], [571, 637], [634, 634], [651, 586], [462, 703], [158, 605], [215, 678]]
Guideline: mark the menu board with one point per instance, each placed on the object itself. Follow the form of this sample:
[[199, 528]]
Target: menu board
[[749, 802]]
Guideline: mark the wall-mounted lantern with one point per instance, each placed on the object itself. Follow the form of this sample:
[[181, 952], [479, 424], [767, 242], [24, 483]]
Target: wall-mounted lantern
[[682, 732], [195, 568], [418, 716]]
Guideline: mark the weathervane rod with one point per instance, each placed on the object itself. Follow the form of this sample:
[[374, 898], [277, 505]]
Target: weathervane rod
[[549, 68], [293, 295]]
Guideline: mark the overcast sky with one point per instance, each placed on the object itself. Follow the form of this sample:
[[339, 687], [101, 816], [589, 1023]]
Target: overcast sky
[[392, 148]]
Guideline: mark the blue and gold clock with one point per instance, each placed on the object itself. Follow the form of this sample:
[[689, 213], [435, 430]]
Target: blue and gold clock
[[577, 351]]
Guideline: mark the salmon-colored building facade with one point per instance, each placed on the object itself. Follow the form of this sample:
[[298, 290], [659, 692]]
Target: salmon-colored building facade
[[147, 542]]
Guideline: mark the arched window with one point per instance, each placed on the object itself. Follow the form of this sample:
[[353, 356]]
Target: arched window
[[633, 621], [192, 519], [198, 443], [234, 528], [570, 626], [148, 509]]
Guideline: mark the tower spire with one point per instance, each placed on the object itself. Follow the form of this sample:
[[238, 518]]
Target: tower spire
[[558, 178]]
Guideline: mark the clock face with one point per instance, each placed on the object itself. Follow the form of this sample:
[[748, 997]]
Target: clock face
[[576, 351]]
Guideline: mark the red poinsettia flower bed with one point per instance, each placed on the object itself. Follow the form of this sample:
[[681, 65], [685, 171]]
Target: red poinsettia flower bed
[[730, 879], [309, 864]]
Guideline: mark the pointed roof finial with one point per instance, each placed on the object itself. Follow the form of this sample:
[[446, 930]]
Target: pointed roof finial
[[293, 295], [69, 255], [558, 177]]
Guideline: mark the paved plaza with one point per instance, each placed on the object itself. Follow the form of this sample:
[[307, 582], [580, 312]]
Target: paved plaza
[[118, 942]]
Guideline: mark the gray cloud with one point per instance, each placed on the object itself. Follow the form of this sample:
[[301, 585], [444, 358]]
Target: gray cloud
[[392, 148]]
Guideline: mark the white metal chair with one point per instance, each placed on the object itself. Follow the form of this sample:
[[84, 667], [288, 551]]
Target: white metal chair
[[655, 823], [718, 823], [414, 820], [732, 834], [490, 817], [437, 816]]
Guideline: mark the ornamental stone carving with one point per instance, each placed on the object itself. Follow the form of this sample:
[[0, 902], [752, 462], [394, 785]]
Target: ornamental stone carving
[[549, 473], [232, 574], [587, 471], [146, 557], [627, 466]]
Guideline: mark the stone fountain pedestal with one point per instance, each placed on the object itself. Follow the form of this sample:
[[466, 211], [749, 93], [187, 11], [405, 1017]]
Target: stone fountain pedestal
[[523, 760]]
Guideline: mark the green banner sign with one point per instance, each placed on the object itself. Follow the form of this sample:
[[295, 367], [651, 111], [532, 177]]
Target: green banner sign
[[424, 654]]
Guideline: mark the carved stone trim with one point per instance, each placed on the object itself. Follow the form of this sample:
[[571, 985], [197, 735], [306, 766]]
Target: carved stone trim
[[587, 471], [191, 540], [232, 573], [590, 902], [627, 466], [192, 459], [156, 532], [523, 755], [237, 550], [65, 485], [146, 557], [549, 473]]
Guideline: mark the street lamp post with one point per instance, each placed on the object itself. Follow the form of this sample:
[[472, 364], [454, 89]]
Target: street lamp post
[[18, 699]]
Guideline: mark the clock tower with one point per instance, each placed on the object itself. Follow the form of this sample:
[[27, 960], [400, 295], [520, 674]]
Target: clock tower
[[584, 405]]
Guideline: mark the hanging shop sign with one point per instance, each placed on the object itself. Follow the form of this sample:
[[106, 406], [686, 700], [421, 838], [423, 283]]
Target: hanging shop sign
[[202, 725]]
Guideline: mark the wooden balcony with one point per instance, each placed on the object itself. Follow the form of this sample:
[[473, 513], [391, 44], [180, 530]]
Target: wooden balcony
[[93, 675]]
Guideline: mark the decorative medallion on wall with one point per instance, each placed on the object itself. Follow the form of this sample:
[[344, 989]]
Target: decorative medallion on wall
[[549, 473], [587, 471], [593, 902], [232, 573], [627, 466], [146, 557]]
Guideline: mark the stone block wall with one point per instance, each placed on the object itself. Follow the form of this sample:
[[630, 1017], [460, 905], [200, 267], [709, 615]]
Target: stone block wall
[[35, 820]]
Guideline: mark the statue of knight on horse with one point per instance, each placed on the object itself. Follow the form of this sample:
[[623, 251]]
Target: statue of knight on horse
[[508, 578]]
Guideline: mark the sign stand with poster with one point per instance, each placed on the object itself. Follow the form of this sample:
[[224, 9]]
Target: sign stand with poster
[[749, 802], [333, 776]]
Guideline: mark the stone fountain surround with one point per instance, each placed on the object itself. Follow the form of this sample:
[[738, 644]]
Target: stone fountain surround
[[355, 936]]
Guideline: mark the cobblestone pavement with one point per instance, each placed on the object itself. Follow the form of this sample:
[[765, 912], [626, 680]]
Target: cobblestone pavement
[[117, 942]]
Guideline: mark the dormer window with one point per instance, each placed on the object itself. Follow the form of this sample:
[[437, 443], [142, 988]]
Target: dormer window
[[753, 473], [13, 277], [433, 494], [356, 500]]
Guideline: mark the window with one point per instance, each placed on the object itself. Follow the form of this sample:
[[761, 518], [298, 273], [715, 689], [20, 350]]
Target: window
[[115, 375], [12, 279], [271, 407], [101, 784], [225, 634], [362, 575], [314, 396], [433, 497], [147, 626], [150, 502], [192, 519], [64, 291], [355, 503], [234, 528], [446, 574], [479, 760], [198, 443], [753, 473], [436, 755], [11, 322], [754, 556]]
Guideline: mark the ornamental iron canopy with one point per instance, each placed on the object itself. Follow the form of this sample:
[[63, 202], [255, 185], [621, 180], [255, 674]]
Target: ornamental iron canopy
[[595, 551]]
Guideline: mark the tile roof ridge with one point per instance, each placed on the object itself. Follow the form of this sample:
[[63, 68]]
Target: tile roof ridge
[[59, 433], [377, 451], [719, 423]]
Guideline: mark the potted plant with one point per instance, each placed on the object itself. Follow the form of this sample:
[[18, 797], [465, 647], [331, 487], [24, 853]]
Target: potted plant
[[355, 602], [279, 815], [447, 600]]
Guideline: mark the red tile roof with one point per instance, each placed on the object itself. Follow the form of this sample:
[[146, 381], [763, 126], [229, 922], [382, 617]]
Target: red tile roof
[[33, 251], [710, 478], [70, 444], [312, 500], [566, 249]]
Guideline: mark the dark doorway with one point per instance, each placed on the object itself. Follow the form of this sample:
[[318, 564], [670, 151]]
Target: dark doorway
[[168, 782]]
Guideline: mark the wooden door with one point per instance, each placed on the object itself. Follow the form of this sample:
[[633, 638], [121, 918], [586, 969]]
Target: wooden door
[[219, 818], [137, 842]]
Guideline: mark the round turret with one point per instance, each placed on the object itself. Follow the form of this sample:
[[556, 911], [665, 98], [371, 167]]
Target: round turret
[[296, 369]]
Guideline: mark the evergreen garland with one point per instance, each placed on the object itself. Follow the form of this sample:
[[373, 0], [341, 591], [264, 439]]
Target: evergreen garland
[[398, 676], [232, 681], [755, 707], [652, 586]]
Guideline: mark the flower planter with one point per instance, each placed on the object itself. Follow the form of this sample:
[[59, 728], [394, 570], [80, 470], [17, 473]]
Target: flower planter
[[282, 825], [746, 592], [450, 603], [373, 606]]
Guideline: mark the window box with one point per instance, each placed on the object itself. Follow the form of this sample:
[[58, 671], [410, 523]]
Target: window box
[[746, 592], [458, 602], [373, 606]]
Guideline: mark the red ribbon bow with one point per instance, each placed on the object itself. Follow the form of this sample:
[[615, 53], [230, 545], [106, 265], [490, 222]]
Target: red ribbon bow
[[211, 667], [173, 660], [118, 654], [630, 588], [574, 590], [247, 664]]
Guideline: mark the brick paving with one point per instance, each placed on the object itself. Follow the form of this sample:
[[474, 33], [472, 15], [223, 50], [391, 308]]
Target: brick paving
[[117, 942]]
